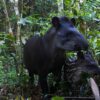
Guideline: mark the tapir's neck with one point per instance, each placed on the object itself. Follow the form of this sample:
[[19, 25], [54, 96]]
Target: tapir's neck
[[49, 40], [50, 34]]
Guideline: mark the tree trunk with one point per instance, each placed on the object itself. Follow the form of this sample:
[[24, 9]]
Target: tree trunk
[[60, 7], [7, 18]]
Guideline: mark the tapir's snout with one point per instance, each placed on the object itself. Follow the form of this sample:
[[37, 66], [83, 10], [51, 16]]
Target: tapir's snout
[[81, 44], [93, 68]]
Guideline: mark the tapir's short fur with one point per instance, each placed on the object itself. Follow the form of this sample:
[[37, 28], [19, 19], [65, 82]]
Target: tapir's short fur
[[46, 54]]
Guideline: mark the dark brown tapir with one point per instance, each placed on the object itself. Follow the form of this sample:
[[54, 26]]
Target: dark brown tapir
[[46, 54]]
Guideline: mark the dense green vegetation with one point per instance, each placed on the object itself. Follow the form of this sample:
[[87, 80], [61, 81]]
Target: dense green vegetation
[[33, 17]]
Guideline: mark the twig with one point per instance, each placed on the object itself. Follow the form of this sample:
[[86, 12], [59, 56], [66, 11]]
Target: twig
[[94, 88]]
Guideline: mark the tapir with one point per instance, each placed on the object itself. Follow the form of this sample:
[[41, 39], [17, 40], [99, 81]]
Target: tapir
[[46, 54]]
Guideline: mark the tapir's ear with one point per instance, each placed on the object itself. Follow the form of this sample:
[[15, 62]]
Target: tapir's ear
[[55, 22], [73, 20]]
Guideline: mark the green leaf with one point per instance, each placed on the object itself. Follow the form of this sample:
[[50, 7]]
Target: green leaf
[[74, 11], [57, 98]]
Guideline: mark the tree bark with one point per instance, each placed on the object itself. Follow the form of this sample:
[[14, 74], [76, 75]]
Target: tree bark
[[60, 7], [7, 18]]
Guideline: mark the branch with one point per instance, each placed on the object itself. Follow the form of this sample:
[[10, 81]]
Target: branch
[[94, 88]]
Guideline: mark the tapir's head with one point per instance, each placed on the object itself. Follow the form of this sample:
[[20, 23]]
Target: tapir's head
[[67, 36]]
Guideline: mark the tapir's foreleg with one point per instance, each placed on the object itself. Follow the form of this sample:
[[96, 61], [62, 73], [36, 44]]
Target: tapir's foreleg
[[31, 77], [43, 84]]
